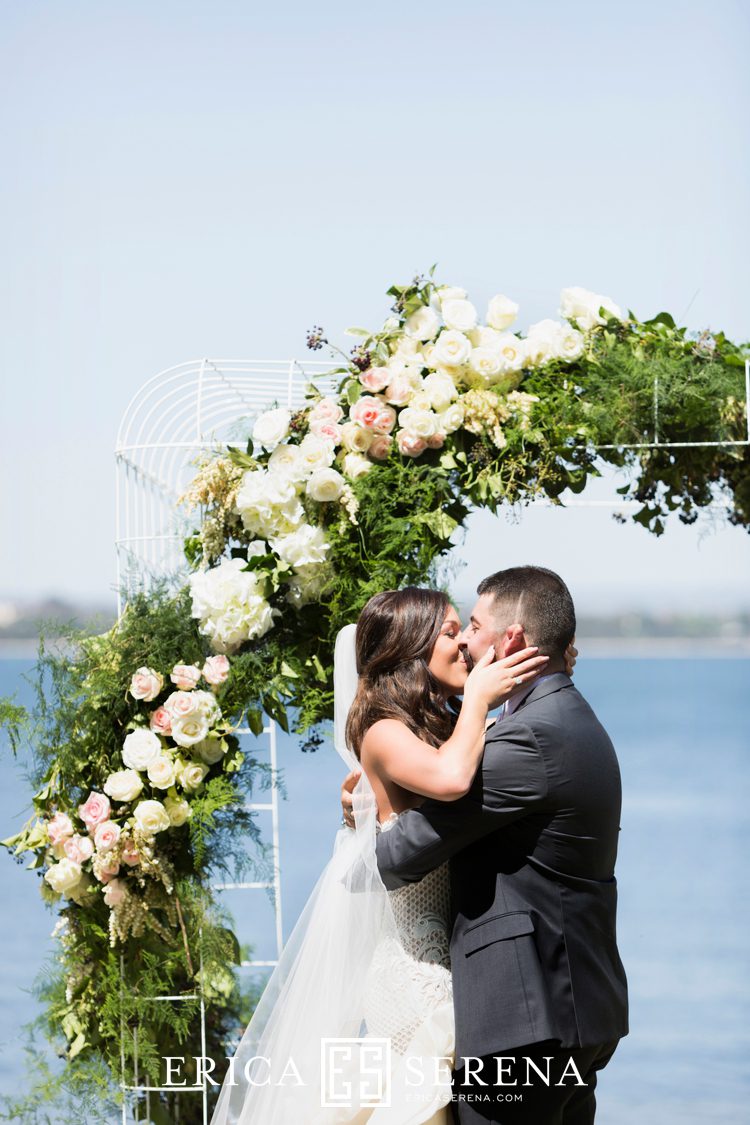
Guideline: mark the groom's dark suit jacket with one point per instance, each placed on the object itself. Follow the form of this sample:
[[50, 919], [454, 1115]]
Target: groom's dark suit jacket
[[532, 848]]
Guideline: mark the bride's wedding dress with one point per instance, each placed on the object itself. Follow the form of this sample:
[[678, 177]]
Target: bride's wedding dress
[[414, 965], [362, 963]]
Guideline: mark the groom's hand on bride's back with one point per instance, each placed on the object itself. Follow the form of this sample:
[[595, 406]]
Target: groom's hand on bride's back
[[347, 801]]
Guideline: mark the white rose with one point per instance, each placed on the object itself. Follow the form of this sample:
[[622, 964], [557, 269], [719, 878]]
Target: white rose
[[186, 731], [501, 312], [316, 453], [306, 545], [124, 785], [286, 461], [451, 350], [485, 362], [420, 423], [325, 485], [483, 337], [450, 293], [161, 772], [151, 816], [512, 353], [570, 344], [64, 876], [191, 774], [406, 346], [422, 324], [271, 427], [439, 389], [140, 749], [355, 437], [206, 703], [210, 750], [542, 342], [583, 306], [459, 314], [178, 810], [355, 465], [451, 419]]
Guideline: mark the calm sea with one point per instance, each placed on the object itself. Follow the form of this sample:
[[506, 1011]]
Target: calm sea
[[681, 728]]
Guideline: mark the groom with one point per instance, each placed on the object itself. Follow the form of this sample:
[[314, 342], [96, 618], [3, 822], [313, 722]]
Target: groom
[[540, 994]]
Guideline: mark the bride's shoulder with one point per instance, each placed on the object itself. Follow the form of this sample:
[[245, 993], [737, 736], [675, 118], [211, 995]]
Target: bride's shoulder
[[381, 734]]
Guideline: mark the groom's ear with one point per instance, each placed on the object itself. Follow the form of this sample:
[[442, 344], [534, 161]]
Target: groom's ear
[[514, 639]]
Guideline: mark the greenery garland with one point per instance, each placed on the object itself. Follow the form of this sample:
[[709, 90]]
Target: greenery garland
[[140, 780], [435, 415]]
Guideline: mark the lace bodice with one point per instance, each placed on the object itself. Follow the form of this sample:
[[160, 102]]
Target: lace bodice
[[410, 973]]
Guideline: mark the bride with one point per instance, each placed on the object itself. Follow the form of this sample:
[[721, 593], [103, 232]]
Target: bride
[[356, 1022]]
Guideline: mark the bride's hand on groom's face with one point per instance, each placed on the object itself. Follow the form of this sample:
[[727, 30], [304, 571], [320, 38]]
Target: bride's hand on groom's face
[[495, 681], [347, 801]]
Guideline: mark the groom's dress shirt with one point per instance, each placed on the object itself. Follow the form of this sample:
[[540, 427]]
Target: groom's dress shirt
[[532, 847]]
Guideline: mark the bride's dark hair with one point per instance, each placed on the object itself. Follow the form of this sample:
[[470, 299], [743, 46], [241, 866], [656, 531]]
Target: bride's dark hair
[[396, 633]]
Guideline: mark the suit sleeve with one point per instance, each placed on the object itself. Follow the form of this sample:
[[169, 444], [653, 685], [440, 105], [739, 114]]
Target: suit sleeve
[[510, 782]]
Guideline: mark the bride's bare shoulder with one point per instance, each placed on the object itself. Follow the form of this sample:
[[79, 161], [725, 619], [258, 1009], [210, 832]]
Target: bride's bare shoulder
[[383, 734]]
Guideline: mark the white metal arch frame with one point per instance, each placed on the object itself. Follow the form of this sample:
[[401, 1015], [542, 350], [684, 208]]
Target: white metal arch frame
[[173, 417]]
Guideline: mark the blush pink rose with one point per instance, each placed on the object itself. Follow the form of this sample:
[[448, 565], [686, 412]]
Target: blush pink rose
[[114, 892], [130, 855], [59, 828], [410, 444], [79, 848], [437, 441], [375, 379], [216, 670], [106, 870], [329, 431], [106, 835], [95, 810], [146, 684], [161, 721], [185, 676], [400, 390], [373, 414], [327, 410], [180, 703], [380, 446]]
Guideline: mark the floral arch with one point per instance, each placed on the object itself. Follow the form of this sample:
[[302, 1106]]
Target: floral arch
[[289, 527]]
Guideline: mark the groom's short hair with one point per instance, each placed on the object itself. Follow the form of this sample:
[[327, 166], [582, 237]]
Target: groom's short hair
[[536, 598]]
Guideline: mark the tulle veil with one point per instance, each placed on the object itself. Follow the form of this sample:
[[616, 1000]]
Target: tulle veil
[[317, 990]]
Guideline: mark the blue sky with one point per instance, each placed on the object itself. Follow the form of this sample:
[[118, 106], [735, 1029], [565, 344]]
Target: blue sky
[[185, 179]]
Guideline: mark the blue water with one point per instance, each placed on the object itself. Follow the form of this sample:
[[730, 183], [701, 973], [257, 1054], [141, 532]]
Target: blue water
[[681, 732]]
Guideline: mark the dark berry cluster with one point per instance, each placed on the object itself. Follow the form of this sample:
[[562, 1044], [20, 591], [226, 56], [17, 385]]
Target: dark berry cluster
[[316, 338], [361, 358]]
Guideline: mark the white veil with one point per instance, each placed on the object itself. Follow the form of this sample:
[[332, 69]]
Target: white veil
[[318, 988]]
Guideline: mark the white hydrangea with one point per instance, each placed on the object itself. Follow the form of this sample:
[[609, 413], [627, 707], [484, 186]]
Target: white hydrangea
[[306, 545], [439, 390], [230, 605], [268, 503]]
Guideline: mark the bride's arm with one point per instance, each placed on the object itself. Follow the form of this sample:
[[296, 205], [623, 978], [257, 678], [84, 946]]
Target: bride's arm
[[446, 772]]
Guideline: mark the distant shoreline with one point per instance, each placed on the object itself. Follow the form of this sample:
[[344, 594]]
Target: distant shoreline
[[590, 648]]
